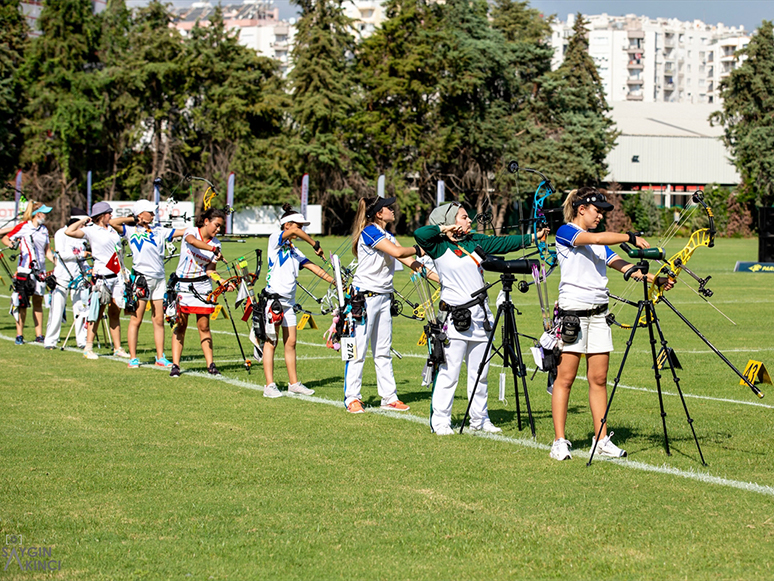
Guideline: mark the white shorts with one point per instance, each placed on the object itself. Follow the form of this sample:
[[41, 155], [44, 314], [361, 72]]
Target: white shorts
[[595, 335], [115, 286], [289, 315], [157, 287]]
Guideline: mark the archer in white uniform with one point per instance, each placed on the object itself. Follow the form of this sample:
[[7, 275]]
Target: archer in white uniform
[[199, 253], [376, 251], [105, 245], [147, 244], [285, 262], [68, 277], [583, 258], [447, 240], [31, 235]]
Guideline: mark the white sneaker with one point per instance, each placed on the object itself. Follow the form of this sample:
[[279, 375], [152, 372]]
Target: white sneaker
[[271, 391], [121, 353], [487, 427], [560, 449], [444, 431], [607, 448], [89, 354], [300, 388]]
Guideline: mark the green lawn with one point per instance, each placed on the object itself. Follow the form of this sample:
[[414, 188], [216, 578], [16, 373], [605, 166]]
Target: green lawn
[[131, 474]]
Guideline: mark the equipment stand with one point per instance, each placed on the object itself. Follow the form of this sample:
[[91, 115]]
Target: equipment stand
[[647, 307], [509, 350]]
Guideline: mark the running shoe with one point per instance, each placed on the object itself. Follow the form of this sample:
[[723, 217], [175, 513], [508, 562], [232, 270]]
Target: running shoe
[[607, 448], [444, 431], [19, 340], [134, 363], [271, 391], [163, 361], [487, 427], [40, 339], [212, 370], [174, 371], [121, 353], [356, 407], [300, 388], [89, 354], [560, 449], [397, 406]]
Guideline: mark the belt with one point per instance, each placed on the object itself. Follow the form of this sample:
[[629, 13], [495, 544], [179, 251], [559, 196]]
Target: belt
[[598, 310], [105, 276], [194, 279], [373, 294]]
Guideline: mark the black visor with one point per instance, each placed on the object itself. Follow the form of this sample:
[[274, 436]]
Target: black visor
[[373, 210], [595, 199]]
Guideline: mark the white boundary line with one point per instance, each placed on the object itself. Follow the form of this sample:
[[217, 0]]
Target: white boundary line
[[698, 476]]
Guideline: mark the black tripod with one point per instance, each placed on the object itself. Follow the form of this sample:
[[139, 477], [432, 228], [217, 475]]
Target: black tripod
[[509, 349], [647, 307]]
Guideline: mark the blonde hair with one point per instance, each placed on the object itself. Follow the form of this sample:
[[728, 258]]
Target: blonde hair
[[569, 207], [32, 205], [361, 221]]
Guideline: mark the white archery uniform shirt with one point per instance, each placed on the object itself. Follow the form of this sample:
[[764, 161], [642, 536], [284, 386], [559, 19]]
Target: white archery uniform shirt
[[104, 243], [32, 246], [148, 245], [584, 268], [68, 249], [193, 261], [285, 262], [375, 269]]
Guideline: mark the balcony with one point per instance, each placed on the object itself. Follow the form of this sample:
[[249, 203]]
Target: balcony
[[633, 46], [634, 81], [635, 64], [669, 41], [669, 87], [634, 96]]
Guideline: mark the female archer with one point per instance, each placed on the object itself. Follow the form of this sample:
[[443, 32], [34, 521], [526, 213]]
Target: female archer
[[285, 262], [199, 253]]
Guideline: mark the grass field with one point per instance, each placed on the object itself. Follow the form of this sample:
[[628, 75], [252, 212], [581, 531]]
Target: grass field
[[130, 474]]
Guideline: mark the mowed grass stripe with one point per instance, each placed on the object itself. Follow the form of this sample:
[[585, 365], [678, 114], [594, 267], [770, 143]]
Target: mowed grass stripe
[[696, 475]]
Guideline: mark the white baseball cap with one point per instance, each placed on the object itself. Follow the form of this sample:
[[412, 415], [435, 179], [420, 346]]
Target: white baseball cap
[[141, 206], [298, 218]]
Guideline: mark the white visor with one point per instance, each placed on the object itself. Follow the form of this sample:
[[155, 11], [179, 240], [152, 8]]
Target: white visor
[[297, 218]]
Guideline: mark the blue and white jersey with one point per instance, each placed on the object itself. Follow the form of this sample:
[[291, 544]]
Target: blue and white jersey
[[285, 262], [193, 261], [583, 268], [147, 245], [375, 269]]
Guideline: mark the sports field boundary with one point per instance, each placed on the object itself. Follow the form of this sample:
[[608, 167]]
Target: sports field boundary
[[665, 469]]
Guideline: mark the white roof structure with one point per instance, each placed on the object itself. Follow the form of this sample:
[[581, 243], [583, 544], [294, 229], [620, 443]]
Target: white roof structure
[[668, 144]]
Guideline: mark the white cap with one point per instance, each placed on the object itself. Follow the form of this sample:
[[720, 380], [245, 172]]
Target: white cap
[[297, 218], [141, 206]]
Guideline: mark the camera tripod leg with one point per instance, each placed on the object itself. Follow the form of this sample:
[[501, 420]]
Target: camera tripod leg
[[650, 317], [513, 356], [677, 385], [640, 307], [484, 360]]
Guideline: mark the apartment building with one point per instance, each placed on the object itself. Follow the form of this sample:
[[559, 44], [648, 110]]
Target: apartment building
[[656, 60], [257, 22]]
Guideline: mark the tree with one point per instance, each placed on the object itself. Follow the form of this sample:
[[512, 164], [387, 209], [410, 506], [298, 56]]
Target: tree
[[63, 117], [324, 98], [573, 114], [13, 43], [748, 116], [233, 101]]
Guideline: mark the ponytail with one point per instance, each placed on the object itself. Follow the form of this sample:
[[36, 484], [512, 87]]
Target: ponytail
[[361, 220], [571, 205], [32, 205]]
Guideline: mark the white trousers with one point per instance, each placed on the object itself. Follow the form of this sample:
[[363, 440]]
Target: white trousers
[[471, 352], [377, 331], [55, 314]]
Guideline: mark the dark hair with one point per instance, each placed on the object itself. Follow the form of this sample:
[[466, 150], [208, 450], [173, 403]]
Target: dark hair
[[288, 211], [210, 215]]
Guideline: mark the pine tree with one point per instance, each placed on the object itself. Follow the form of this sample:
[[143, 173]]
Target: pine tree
[[748, 116], [324, 98], [573, 115], [13, 43], [234, 99], [63, 125]]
